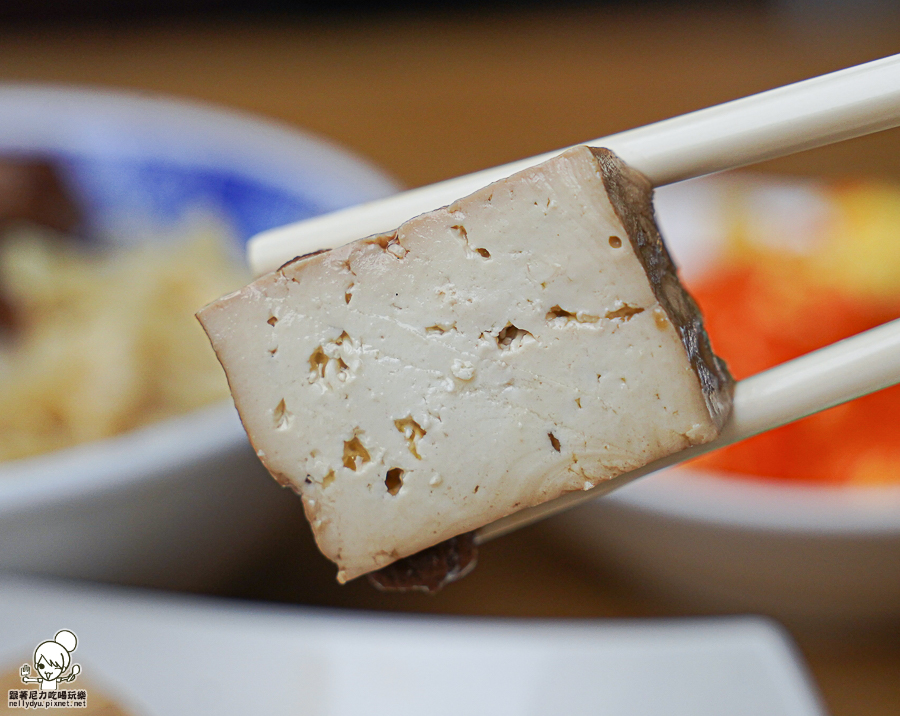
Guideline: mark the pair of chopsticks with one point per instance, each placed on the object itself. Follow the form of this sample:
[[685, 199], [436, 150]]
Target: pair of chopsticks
[[842, 105]]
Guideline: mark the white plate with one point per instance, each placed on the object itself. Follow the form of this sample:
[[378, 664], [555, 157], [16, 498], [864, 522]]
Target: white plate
[[177, 655]]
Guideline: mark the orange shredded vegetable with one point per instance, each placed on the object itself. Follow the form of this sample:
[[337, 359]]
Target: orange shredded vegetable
[[761, 312]]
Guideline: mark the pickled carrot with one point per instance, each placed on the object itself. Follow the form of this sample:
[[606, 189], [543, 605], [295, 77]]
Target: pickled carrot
[[760, 313]]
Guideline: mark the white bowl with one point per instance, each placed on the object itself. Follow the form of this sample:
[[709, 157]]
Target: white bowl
[[183, 503], [808, 554], [175, 654]]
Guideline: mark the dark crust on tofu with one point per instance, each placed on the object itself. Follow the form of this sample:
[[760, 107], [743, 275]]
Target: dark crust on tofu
[[431, 569], [631, 194], [297, 259], [383, 240]]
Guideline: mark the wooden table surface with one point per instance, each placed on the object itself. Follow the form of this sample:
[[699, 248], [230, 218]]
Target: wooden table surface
[[430, 98]]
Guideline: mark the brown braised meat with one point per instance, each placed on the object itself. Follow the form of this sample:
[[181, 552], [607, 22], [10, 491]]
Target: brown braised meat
[[31, 191]]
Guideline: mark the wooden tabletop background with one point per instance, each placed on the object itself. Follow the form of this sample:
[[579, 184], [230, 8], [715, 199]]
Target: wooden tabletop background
[[432, 97]]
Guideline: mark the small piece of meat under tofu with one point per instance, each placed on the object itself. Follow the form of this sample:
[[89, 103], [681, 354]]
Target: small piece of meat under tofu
[[526, 341]]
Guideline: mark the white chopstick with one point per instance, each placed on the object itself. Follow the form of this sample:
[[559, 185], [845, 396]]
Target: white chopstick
[[819, 111], [817, 381], [841, 105]]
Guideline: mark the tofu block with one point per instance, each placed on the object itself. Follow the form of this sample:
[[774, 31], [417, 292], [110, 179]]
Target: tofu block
[[526, 341]]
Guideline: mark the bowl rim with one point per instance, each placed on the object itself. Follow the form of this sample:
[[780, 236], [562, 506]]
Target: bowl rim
[[771, 505], [208, 136], [151, 452], [154, 452]]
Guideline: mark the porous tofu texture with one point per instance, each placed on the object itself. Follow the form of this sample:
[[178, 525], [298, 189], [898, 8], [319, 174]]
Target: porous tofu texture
[[483, 358]]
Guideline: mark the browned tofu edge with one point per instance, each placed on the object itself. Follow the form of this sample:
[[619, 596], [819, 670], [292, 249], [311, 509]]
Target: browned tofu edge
[[631, 195]]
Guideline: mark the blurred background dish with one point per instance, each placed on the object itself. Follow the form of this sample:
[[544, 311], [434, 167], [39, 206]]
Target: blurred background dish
[[166, 491]]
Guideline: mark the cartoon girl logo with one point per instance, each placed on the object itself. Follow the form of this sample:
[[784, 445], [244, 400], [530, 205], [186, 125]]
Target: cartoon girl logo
[[51, 659]]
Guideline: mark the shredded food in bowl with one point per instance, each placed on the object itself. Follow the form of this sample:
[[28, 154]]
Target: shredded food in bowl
[[770, 301], [98, 343]]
